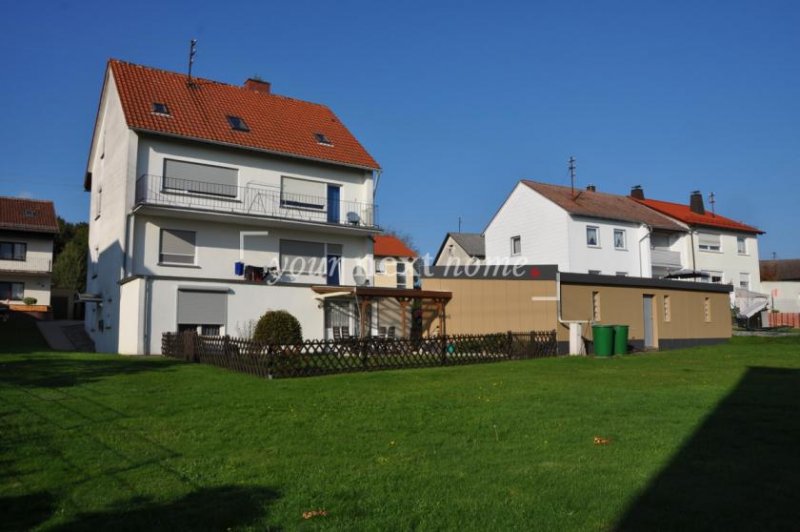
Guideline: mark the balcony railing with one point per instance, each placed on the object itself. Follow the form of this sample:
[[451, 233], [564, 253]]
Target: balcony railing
[[666, 258], [255, 200], [29, 265]]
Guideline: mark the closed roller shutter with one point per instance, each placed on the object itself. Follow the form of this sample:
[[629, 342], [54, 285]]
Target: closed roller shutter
[[200, 178], [198, 307]]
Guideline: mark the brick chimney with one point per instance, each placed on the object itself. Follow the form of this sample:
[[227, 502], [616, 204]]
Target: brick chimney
[[591, 188], [696, 203], [637, 192], [258, 85]]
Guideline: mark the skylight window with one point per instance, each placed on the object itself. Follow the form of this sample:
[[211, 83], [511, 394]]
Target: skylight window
[[237, 123], [160, 108], [322, 139]]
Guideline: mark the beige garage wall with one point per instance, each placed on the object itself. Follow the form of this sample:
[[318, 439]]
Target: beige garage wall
[[483, 306], [624, 305]]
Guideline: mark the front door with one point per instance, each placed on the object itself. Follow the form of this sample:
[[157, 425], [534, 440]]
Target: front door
[[333, 204], [334, 265], [649, 333]]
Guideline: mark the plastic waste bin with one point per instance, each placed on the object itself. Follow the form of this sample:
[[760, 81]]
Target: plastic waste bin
[[603, 336], [620, 339]]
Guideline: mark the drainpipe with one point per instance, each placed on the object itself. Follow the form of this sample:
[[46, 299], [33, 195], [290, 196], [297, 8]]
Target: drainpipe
[[127, 259], [641, 268], [147, 317], [694, 265]]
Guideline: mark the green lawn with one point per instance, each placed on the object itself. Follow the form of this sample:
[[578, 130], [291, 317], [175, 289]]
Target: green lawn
[[707, 438]]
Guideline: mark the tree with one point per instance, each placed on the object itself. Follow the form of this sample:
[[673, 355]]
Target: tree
[[69, 268]]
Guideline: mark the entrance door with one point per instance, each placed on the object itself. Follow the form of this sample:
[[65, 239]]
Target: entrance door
[[649, 333], [333, 204], [334, 265]]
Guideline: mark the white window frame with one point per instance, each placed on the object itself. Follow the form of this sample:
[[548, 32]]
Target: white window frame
[[596, 230], [398, 273], [712, 274], [741, 245], [161, 260], [744, 279], [711, 248], [517, 239], [624, 234]]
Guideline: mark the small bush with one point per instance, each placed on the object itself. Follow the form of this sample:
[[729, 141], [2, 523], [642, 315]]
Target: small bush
[[278, 327], [30, 300]]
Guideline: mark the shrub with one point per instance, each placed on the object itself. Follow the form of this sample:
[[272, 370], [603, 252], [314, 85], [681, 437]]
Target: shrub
[[278, 327], [30, 300]]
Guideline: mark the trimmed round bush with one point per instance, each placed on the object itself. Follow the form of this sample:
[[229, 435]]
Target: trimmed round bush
[[29, 300], [278, 327]]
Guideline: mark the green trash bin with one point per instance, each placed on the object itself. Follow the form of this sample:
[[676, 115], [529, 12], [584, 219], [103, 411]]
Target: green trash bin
[[603, 337], [620, 339]]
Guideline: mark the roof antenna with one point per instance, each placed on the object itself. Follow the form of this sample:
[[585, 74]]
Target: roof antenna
[[192, 51], [774, 255], [572, 174], [459, 224], [712, 201]]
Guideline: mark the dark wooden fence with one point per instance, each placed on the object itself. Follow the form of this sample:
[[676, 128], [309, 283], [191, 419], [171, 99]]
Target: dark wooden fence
[[320, 357]]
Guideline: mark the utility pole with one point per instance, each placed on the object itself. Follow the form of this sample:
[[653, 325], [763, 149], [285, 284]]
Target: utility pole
[[572, 174]]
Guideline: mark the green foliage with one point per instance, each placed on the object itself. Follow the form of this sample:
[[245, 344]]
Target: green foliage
[[30, 300], [278, 327], [69, 269]]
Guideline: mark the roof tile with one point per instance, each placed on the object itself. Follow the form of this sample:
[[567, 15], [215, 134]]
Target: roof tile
[[686, 215], [21, 214], [391, 246]]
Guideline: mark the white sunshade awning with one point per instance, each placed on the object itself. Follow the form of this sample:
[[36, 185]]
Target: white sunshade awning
[[749, 303]]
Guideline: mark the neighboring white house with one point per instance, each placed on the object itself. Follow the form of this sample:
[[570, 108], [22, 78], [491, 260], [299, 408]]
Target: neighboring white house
[[780, 279], [461, 249], [212, 203], [27, 230], [583, 231]]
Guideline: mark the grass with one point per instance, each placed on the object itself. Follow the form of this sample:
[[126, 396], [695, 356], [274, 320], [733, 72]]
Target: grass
[[704, 438]]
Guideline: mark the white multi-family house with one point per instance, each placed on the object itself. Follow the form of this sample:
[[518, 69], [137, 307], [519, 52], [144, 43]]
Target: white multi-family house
[[212, 203], [461, 249], [583, 231], [27, 230]]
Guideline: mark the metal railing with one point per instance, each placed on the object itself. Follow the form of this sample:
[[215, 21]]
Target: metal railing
[[29, 265], [665, 257], [257, 200]]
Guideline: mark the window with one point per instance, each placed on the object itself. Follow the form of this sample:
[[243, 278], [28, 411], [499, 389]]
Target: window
[[200, 178], [160, 108], [12, 291], [713, 277], [380, 266], [401, 274], [619, 239], [516, 245], [708, 242], [592, 236], [202, 311], [177, 247], [744, 280], [322, 139], [595, 306], [299, 257], [303, 193], [667, 309], [237, 123], [13, 251], [707, 310], [741, 245]]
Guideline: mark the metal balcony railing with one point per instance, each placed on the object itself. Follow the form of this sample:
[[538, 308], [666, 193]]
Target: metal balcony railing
[[29, 265], [666, 258], [256, 200]]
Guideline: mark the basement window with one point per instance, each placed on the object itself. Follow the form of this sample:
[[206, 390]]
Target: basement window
[[160, 108], [237, 123], [322, 139]]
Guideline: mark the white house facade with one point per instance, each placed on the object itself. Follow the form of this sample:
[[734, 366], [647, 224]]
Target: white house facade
[[212, 203]]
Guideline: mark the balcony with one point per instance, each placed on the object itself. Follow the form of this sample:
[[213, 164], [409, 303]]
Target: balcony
[[30, 265], [665, 258], [255, 200]]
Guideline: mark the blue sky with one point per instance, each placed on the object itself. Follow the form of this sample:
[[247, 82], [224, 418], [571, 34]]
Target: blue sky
[[456, 100]]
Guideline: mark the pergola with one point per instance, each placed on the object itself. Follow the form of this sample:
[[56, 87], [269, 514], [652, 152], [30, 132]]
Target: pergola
[[366, 295]]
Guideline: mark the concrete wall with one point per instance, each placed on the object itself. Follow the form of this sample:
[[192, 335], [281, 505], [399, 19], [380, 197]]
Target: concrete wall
[[784, 295]]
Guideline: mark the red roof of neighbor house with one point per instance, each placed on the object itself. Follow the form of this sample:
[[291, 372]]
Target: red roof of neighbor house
[[391, 246], [602, 205], [20, 214], [686, 215], [277, 124]]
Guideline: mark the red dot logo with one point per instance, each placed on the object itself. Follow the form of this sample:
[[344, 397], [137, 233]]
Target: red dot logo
[[535, 272]]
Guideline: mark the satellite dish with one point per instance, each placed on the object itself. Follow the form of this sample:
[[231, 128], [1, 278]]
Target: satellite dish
[[359, 276]]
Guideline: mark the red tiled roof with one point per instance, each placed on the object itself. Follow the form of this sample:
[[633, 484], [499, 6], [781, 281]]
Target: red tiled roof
[[391, 246], [19, 214], [277, 124], [602, 205], [685, 214]]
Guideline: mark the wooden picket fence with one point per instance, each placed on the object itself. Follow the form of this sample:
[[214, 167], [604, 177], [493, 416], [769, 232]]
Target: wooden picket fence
[[321, 357], [784, 319]]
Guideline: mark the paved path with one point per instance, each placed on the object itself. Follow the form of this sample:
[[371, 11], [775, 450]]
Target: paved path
[[64, 335]]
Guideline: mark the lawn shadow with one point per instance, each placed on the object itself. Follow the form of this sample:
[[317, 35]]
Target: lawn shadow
[[221, 508], [54, 371], [21, 335], [24, 512], [740, 470]]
